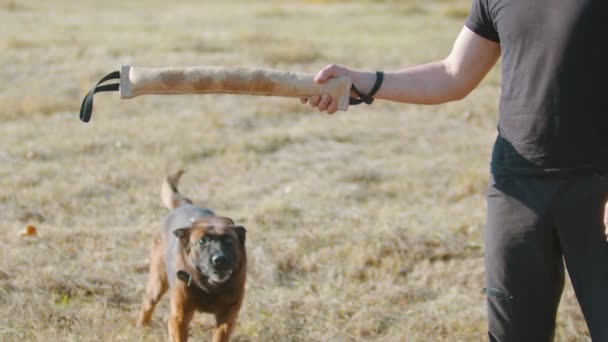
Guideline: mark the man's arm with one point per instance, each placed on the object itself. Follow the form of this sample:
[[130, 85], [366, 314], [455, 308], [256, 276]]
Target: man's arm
[[451, 79]]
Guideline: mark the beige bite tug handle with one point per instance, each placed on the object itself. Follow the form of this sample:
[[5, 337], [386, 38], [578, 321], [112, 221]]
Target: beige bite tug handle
[[135, 81]]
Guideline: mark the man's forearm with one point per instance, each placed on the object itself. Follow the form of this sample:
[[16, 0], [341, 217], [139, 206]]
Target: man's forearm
[[423, 84], [471, 58]]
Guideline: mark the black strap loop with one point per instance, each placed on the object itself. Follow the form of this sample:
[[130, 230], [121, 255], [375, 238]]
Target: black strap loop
[[87, 103], [369, 98]]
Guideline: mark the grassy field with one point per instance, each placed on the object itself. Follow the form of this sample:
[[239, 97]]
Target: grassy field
[[362, 226]]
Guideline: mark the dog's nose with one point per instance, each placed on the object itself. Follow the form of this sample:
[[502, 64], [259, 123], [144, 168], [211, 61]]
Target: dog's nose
[[219, 260]]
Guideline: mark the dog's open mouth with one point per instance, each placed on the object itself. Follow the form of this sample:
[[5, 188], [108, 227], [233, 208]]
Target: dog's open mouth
[[215, 276]]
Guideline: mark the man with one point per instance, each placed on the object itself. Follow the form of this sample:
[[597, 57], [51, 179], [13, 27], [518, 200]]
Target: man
[[549, 166]]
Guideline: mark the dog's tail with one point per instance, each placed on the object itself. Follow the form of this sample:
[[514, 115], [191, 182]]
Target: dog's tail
[[169, 193]]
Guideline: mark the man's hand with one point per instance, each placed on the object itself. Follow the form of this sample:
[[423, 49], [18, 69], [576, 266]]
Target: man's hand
[[327, 103]]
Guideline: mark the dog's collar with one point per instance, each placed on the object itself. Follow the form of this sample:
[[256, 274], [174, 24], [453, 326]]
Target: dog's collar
[[185, 277]]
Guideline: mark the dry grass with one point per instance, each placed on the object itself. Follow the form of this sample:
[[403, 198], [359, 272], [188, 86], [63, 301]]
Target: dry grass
[[364, 226]]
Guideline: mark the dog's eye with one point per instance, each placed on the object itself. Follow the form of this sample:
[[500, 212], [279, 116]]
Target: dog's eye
[[203, 240]]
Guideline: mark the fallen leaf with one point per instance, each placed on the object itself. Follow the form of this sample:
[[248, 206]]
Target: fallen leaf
[[30, 230]]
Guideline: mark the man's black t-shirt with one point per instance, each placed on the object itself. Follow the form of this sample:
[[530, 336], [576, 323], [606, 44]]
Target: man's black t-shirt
[[553, 113]]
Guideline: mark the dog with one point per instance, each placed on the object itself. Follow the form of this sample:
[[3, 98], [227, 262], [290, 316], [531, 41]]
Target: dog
[[200, 258]]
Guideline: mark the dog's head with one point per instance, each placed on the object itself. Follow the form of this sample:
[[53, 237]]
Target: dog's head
[[214, 246]]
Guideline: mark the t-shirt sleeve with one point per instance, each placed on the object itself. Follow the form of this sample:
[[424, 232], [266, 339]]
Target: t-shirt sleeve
[[480, 21]]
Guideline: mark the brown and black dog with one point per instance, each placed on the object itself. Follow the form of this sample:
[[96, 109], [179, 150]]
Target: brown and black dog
[[201, 259]]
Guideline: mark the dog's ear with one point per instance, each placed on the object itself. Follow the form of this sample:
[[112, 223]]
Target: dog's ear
[[182, 235], [241, 232]]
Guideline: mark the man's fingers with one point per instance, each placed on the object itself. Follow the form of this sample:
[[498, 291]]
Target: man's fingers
[[333, 107], [324, 102], [314, 100]]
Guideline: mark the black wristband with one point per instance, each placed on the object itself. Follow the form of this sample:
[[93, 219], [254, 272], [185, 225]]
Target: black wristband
[[369, 98]]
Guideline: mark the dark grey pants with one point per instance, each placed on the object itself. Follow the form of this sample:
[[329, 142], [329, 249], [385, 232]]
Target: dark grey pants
[[534, 224]]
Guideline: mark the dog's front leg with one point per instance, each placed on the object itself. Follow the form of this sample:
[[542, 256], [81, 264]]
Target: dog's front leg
[[157, 283], [225, 323], [181, 315]]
